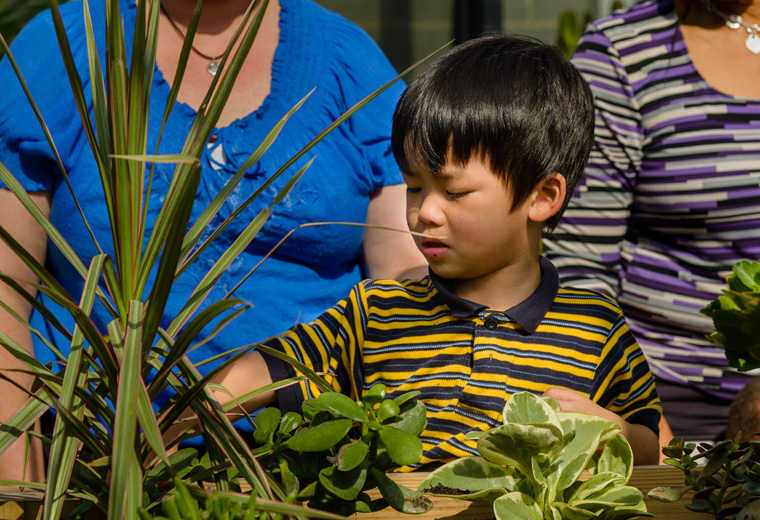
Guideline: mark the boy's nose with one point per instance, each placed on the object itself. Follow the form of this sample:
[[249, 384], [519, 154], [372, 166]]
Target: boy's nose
[[430, 211]]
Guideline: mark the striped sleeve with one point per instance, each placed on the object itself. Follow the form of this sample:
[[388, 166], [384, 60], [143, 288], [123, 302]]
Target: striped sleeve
[[330, 346], [586, 246], [624, 383]]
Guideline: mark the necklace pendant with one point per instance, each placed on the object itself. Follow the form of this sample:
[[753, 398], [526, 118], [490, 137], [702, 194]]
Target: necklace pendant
[[733, 21], [214, 66], [753, 43]]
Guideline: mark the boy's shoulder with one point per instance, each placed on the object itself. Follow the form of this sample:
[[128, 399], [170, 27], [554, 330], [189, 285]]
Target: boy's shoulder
[[580, 301]]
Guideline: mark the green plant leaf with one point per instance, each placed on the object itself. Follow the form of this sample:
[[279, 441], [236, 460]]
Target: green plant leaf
[[470, 478], [388, 410], [524, 407], [617, 457], [352, 455], [399, 497], [402, 447], [321, 437], [413, 418], [516, 506], [345, 485], [668, 493], [266, 423], [516, 444], [342, 406]]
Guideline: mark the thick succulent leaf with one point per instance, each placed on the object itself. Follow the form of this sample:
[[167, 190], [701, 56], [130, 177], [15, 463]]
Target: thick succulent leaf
[[351, 455], [617, 457], [568, 512], [266, 423], [749, 512], [399, 497], [413, 418], [596, 484], [388, 409], [611, 497], [402, 447], [470, 478], [524, 407], [516, 444], [590, 433], [320, 437], [342, 406], [517, 506], [668, 493], [343, 484]]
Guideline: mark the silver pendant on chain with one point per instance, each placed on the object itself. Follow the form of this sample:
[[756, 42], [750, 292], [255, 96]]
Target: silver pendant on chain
[[753, 42], [214, 66]]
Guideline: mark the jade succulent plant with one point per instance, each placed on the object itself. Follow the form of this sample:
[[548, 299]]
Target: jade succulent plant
[[531, 466], [736, 316], [726, 485]]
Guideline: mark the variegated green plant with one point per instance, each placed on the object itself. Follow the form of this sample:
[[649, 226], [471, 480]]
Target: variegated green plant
[[125, 441], [531, 466]]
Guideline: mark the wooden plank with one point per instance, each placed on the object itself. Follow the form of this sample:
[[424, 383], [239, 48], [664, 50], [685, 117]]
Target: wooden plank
[[23, 505], [644, 478]]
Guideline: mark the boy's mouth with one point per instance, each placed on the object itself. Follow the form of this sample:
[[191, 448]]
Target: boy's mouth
[[432, 248]]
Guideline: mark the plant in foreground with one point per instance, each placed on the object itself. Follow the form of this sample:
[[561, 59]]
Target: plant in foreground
[[736, 316], [727, 486], [344, 448], [530, 466], [103, 390]]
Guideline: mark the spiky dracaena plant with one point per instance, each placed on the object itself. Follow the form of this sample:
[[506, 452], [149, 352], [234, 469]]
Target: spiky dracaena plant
[[125, 440]]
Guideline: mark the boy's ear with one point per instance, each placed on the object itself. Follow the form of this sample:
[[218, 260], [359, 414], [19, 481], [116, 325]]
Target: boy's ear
[[547, 198]]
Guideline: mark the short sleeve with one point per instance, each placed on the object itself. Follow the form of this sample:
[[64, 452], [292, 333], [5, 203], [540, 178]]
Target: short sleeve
[[624, 383], [361, 68], [24, 150], [330, 346]]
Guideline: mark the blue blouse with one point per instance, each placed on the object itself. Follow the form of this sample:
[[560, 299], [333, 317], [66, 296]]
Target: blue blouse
[[316, 266]]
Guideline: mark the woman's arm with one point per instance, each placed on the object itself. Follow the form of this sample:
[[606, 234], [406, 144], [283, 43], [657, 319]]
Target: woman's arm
[[20, 224], [390, 254]]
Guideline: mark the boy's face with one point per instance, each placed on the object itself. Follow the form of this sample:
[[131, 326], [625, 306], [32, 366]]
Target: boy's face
[[469, 211]]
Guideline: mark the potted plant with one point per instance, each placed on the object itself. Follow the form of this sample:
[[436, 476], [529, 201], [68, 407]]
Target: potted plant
[[103, 393], [531, 466], [728, 484]]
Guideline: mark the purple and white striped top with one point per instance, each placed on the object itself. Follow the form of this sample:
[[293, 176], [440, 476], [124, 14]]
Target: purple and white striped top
[[671, 196]]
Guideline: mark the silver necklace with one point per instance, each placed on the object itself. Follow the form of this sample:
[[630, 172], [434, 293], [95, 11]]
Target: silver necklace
[[212, 67], [734, 21]]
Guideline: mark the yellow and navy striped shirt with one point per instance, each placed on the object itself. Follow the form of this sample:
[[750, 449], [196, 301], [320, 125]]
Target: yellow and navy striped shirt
[[466, 359]]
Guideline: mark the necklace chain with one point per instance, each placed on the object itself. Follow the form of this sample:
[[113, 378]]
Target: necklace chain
[[735, 21], [182, 34]]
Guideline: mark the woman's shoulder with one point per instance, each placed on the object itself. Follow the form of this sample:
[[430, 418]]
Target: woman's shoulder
[[329, 32], [634, 22]]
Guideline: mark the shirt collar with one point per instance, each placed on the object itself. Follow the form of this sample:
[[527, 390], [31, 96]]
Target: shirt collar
[[528, 313]]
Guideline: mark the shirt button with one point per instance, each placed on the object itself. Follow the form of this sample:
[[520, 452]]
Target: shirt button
[[492, 323]]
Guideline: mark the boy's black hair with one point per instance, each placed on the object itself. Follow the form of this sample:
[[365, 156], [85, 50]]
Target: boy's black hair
[[510, 101]]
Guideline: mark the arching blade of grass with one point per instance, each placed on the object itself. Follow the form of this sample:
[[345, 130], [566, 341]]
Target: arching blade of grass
[[123, 470], [65, 446]]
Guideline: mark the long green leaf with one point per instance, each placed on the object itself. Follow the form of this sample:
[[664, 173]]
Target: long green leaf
[[213, 208], [65, 446], [125, 427]]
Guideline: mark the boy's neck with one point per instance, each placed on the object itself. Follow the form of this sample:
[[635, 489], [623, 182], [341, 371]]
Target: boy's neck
[[502, 289]]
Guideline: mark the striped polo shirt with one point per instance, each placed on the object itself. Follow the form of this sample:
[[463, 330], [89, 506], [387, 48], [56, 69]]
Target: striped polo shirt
[[670, 200], [466, 359]]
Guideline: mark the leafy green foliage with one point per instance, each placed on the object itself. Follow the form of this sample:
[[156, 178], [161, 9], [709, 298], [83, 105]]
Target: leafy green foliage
[[343, 448], [736, 316], [727, 485], [103, 390], [570, 28], [531, 465]]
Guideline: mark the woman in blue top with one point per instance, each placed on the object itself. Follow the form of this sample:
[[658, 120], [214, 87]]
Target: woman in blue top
[[300, 46]]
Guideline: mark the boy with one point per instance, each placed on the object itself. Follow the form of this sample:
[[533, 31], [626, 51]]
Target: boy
[[492, 140]]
